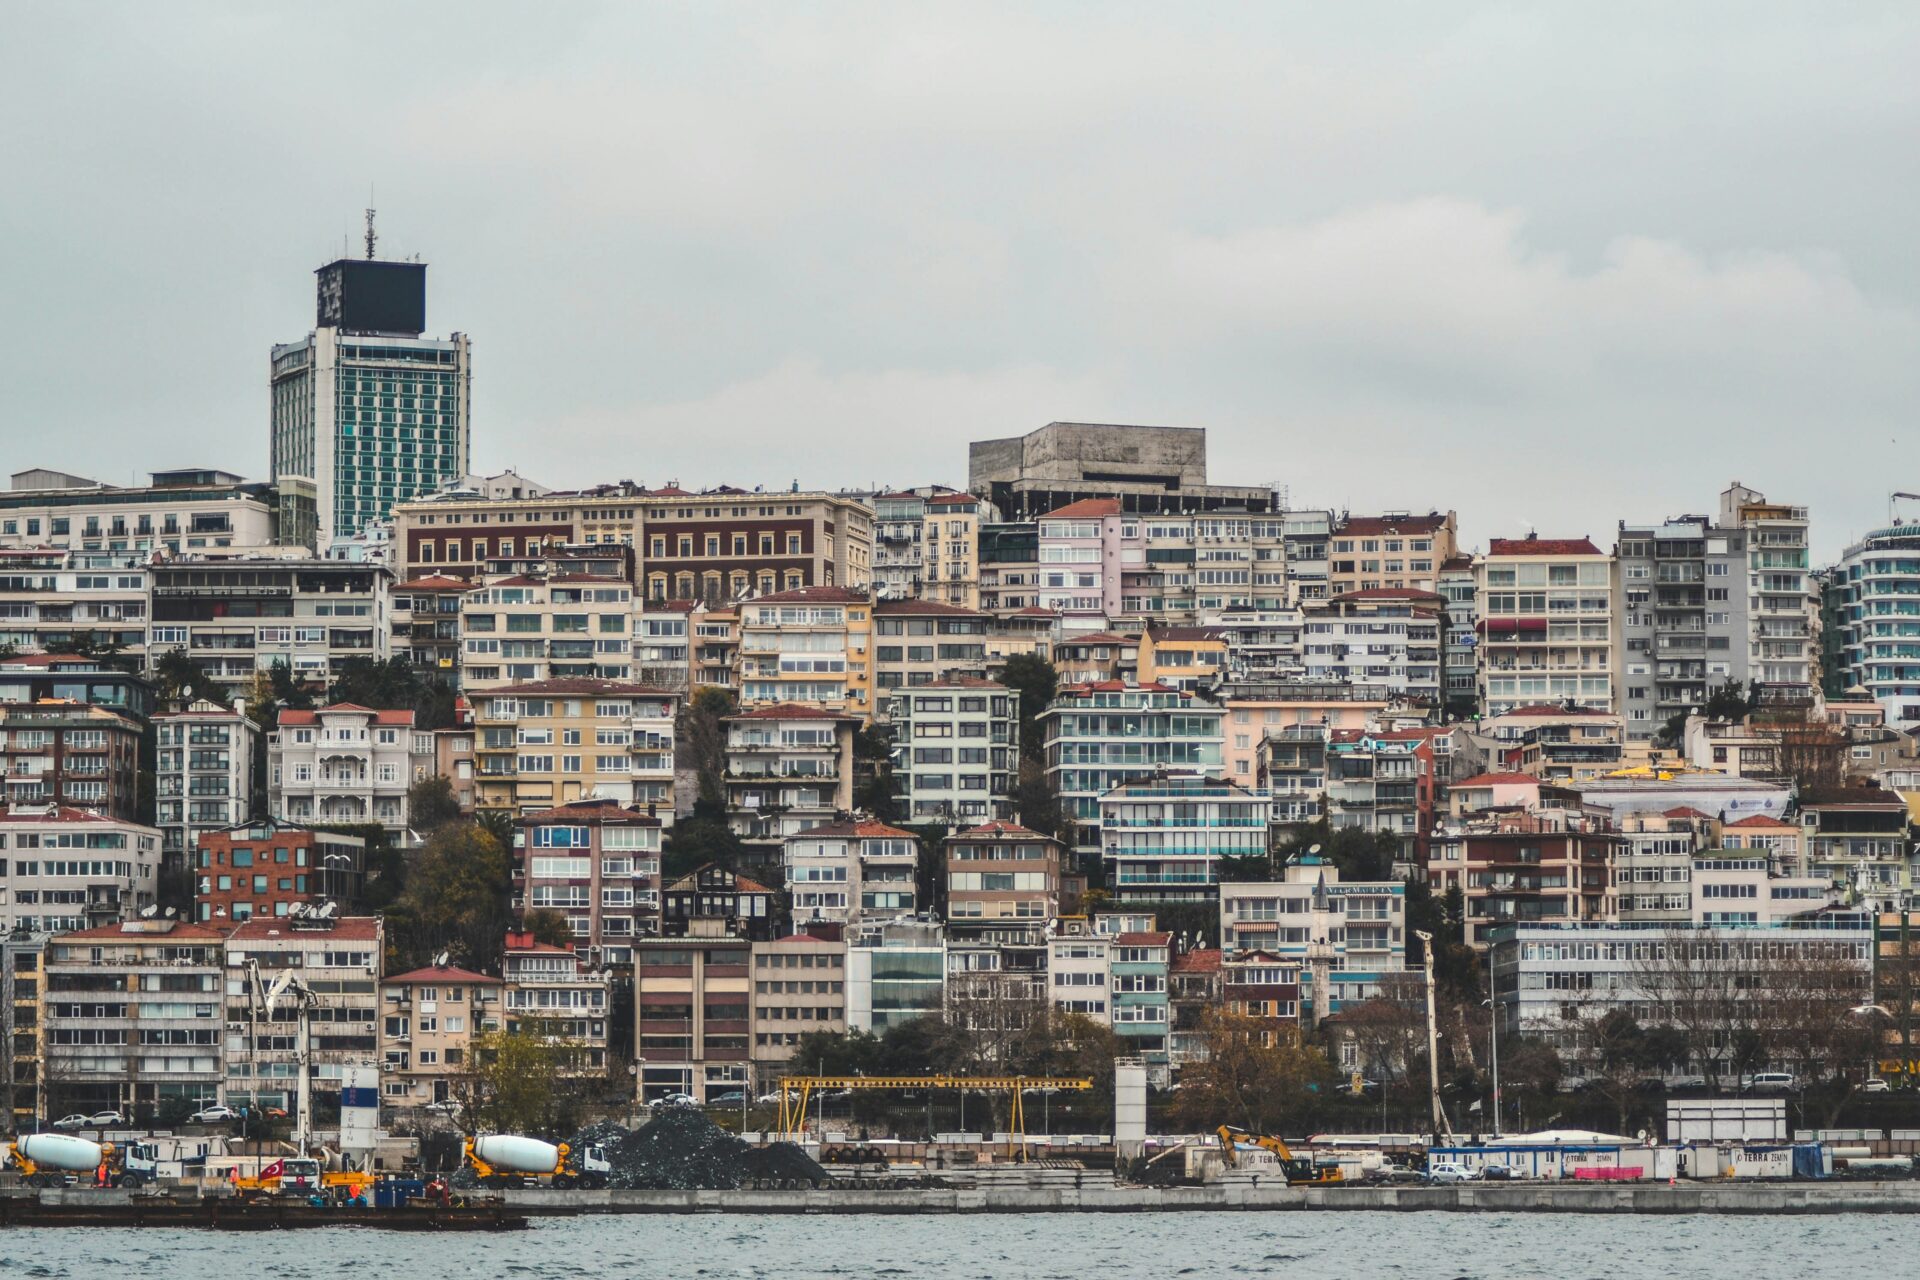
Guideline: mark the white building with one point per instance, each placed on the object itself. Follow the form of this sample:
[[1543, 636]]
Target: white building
[[66, 869], [1162, 837], [1078, 968], [203, 772], [956, 750], [847, 871], [341, 763]]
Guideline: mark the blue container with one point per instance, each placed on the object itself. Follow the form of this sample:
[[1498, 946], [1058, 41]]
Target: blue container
[[393, 1193]]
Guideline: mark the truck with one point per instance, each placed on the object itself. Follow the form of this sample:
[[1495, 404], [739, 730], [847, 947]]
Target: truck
[[274, 1175], [45, 1159], [1300, 1171], [509, 1160]]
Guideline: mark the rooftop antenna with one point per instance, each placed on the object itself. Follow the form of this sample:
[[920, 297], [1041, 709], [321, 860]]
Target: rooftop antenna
[[372, 237]]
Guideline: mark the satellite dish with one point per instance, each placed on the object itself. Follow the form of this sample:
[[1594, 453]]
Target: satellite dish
[[327, 912], [149, 913], [170, 913], [440, 961]]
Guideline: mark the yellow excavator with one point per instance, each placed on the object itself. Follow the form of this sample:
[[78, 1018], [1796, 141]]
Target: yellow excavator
[[1300, 1172]]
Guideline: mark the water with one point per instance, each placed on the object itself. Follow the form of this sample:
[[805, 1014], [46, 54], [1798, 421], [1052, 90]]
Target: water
[[1374, 1245]]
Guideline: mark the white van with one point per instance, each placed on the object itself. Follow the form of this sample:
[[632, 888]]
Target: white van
[[1769, 1082]]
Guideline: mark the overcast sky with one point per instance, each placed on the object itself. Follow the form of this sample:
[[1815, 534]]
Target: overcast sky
[[1551, 266]]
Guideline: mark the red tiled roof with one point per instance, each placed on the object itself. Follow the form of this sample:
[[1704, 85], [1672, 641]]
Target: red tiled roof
[[582, 811], [1389, 593], [292, 717], [579, 684], [923, 607], [1498, 780], [1685, 811], [813, 595], [346, 929], [1372, 526], [1198, 960], [671, 491], [949, 499], [1531, 546], [792, 711], [1120, 686], [1085, 507], [1144, 939], [998, 829], [1762, 821], [863, 829], [439, 974]]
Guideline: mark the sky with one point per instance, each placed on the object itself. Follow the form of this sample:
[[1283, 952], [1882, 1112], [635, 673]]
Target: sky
[[1549, 265]]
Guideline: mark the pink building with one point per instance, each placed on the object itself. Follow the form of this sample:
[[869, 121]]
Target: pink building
[[1084, 549]]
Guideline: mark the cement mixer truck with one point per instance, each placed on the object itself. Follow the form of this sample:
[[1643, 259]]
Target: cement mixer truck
[[508, 1160], [45, 1159]]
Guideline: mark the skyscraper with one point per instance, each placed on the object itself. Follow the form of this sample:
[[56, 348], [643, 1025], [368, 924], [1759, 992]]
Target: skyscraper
[[365, 408]]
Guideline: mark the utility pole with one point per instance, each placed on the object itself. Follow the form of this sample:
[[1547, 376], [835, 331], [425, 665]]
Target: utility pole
[[1440, 1125]]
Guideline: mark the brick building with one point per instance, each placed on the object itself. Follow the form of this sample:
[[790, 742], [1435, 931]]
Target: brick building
[[263, 869], [68, 753]]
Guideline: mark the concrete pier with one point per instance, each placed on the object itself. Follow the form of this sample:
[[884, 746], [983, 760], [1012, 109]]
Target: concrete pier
[[1098, 1195]]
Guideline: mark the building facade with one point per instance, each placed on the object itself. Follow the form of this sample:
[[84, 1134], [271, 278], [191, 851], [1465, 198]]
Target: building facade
[[67, 869], [956, 750], [1546, 615], [429, 1020], [270, 868], [1101, 736], [1163, 837], [203, 773], [598, 864], [557, 742], [341, 763], [71, 754]]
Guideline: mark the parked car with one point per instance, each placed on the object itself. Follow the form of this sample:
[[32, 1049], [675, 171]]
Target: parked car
[[771, 1097], [101, 1119], [1769, 1082], [732, 1098], [75, 1121], [214, 1115], [1497, 1173], [1876, 1084], [675, 1100], [446, 1107], [1448, 1171], [1361, 1088]]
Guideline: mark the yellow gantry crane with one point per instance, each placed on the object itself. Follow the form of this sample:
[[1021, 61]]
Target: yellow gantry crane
[[795, 1091]]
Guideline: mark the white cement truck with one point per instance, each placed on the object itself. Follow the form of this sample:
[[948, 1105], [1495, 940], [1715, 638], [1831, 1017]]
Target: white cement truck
[[508, 1160], [45, 1159]]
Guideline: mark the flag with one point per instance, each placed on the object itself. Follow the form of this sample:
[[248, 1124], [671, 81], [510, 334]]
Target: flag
[[274, 1170]]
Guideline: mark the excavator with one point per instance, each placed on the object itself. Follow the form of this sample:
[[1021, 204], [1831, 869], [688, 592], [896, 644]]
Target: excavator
[[1300, 1172]]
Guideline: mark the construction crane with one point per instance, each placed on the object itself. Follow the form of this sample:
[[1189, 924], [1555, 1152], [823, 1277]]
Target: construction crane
[[1299, 1172], [796, 1090], [290, 990]]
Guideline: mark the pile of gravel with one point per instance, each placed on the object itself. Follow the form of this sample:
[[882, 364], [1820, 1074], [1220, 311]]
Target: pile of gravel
[[604, 1133], [681, 1150], [784, 1164]]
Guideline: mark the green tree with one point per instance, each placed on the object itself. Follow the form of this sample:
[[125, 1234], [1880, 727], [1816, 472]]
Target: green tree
[[431, 804], [523, 1081], [548, 927], [287, 691], [1036, 802], [875, 789], [1036, 681], [701, 741], [455, 900], [174, 675], [1256, 1074]]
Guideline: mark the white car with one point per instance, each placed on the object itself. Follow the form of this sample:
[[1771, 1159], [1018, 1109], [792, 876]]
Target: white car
[[101, 1119], [1449, 1171], [676, 1100], [445, 1108], [1877, 1084], [75, 1121], [214, 1115]]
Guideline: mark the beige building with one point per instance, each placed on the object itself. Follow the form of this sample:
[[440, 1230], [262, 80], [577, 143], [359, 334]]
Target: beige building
[[341, 764], [1000, 871], [807, 646], [428, 1021], [921, 642], [716, 648], [1545, 610], [524, 628], [553, 742], [952, 548], [1396, 550], [799, 986], [789, 767], [549, 991]]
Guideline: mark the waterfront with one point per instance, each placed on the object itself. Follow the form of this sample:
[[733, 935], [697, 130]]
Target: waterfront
[[1024, 1247]]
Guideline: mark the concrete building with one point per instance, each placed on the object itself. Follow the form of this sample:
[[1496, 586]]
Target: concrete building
[[561, 741], [799, 988], [598, 864], [425, 614], [72, 754], [1653, 864], [1091, 657], [956, 752], [552, 992], [663, 644], [1263, 645], [1085, 549], [716, 649], [1101, 736], [521, 629], [1525, 868], [1382, 637], [842, 872], [203, 773], [1163, 837], [429, 1020], [63, 869], [1385, 781], [1556, 743], [789, 767], [241, 616], [1681, 618], [1460, 660], [1190, 658], [339, 961], [176, 512], [341, 763], [1079, 965], [1258, 709], [1146, 469], [1780, 840], [1000, 872], [693, 1004], [134, 1019], [1857, 838], [270, 869], [1009, 567], [896, 972], [60, 601], [1195, 988], [1782, 598], [899, 545], [364, 407], [23, 1035], [1546, 623], [919, 642], [807, 646], [1878, 646], [1396, 551], [1142, 1014], [1344, 943], [40, 677], [1730, 889]]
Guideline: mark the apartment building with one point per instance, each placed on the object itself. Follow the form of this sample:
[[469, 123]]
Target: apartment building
[[1780, 840], [1782, 603], [455, 533], [1091, 657], [956, 749], [1562, 744], [1189, 658], [426, 623], [1163, 836], [918, 642], [1551, 867], [133, 1018], [1194, 989], [341, 763], [1260, 709], [338, 961], [1459, 659], [521, 629], [807, 646], [72, 754], [1138, 964], [1878, 646], [899, 545], [1342, 943], [23, 1035], [429, 1021], [663, 644], [1200, 564], [896, 972], [722, 545], [1261, 644], [1383, 637], [694, 1013], [1084, 549], [598, 864], [1000, 872], [58, 601], [272, 869], [553, 993], [557, 742], [1102, 736], [1290, 774], [1031, 630], [1731, 889], [841, 872], [63, 869], [43, 677], [203, 773], [246, 614], [1383, 781], [799, 988], [953, 522], [449, 754], [1079, 969], [1653, 863], [1546, 623], [716, 648], [176, 512], [1009, 567], [789, 767], [1398, 550], [1857, 838], [1681, 618], [715, 901]]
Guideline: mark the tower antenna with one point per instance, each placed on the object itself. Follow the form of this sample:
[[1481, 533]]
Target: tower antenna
[[371, 236]]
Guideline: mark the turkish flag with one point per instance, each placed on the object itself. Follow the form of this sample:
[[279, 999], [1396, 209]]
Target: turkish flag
[[274, 1170]]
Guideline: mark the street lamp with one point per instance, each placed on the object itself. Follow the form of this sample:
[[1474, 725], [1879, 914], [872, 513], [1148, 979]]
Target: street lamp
[[1493, 1024]]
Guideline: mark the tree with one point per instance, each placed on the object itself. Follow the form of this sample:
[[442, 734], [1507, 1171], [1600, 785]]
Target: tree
[[875, 789], [177, 678], [522, 1081], [431, 804], [456, 900], [548, 927], [1036, 802], [287, 691], [1037, 683], [1256, 1074], [701, 741], [1389, 1029]]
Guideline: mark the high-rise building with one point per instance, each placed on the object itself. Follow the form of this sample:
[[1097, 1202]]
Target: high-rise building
[[1545, 608], [366, 408]]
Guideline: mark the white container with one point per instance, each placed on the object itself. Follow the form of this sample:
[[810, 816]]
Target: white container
[[62, 1152], [511, 1153]]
